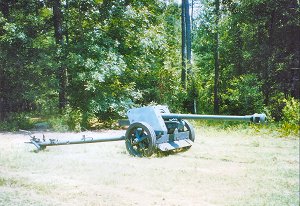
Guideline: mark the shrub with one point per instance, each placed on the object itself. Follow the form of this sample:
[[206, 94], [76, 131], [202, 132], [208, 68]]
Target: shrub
[[58, 123], [70, 120], [16, 121], [243, 96], [291, 117], [73, 118]]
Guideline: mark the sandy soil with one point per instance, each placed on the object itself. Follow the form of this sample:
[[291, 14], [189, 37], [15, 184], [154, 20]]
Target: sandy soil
[[220, 169]]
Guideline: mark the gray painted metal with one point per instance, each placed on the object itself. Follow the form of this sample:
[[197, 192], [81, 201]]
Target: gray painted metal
[[42, 144], [83, 140], [168, 131], [175, 145], [151, 115], [256, 118]]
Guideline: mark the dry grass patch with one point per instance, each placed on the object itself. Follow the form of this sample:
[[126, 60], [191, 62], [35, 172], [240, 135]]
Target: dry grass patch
[[222, 168]]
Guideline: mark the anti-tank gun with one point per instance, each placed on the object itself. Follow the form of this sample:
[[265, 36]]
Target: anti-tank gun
[[151, 128]]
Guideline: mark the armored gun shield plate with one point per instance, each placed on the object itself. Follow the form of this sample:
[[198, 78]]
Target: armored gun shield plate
[[140, 139]]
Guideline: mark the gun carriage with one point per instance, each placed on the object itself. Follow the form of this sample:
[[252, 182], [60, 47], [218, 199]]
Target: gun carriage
[[151, 128]]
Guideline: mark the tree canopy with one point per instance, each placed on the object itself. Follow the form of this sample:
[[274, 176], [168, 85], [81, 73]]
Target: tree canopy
[[102, 57]]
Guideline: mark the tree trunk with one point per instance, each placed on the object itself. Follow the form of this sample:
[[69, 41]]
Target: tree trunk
[[216, 57], [294, 47], [186, 75], [66, 22], [270, 62], [58, 34], [183, 46], [188, 37], [186, 47], [4, 7]]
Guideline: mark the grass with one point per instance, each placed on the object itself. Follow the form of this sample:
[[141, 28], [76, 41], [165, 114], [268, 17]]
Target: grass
[[231, 167]]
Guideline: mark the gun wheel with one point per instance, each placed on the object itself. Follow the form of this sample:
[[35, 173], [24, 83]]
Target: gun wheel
[[140, 139], [189, 127]]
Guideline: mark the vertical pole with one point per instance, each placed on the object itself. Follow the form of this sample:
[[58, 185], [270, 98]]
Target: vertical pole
[[183, 46], [188, 37], [58, 34], [216, 79]]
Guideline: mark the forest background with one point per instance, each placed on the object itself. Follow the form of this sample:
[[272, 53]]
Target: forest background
[[81, 64]]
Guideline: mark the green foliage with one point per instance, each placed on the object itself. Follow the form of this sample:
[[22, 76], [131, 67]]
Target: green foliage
[[204, 94], [70, 120], [17, 121], [73, 118], [98, 87], [255, 42], [291, 117], [291, 111], [121, 54], [58, 123], [276, 106], [243, 96]]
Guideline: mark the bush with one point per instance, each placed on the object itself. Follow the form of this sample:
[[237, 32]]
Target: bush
[[73, 119], [275, 106], [58, 123], [70, 119], [291, 117], [16, 122], [243, 96]]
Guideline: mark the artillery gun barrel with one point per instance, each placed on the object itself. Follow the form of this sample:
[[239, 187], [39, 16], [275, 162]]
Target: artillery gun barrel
[[256, 118], [41, 144]]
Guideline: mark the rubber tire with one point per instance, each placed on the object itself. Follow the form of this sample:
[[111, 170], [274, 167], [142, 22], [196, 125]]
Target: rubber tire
[[190, 128], [151, 139]]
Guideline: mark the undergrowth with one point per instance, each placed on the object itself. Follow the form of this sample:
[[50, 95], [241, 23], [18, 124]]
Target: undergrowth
[[71, 119]]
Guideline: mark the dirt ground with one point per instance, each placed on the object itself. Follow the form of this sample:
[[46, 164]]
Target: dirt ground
[[221, 168]]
